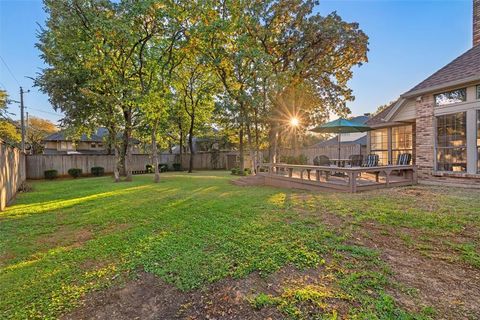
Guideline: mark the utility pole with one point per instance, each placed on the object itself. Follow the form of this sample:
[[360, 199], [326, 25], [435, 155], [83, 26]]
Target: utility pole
[[22, 120], [22, 117], [26, 129]]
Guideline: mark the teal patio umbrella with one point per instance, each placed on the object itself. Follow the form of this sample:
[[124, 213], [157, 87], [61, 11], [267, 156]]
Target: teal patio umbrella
[[340, 126]]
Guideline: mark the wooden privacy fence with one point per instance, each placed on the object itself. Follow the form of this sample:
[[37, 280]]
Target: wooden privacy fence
[[37, 164], [346, 150], [12, 172]]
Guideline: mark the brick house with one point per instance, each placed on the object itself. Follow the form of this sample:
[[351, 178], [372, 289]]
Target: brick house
[[437, 121]]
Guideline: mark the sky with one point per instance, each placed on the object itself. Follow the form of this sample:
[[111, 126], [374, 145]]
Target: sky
[[409, 40]]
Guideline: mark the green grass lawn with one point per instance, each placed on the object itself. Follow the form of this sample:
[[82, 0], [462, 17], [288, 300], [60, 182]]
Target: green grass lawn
[[69, 237]]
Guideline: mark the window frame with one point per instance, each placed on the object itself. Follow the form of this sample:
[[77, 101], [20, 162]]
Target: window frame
[[395, 150], [447, 92], [437, 147], [477, 91], [382, 149]]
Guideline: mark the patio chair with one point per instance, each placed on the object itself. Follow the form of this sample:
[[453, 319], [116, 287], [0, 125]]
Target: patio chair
[[371, 161], [356, 160], [321, 160], [404, 159]]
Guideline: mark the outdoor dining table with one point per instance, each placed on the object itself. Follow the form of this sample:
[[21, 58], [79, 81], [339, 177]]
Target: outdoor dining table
[[341, 162]]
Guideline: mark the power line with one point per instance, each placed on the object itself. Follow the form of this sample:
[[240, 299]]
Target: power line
[[10, 71], [39, 110]]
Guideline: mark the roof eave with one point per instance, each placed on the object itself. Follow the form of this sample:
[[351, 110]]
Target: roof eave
[[394, 110], [411, 94]]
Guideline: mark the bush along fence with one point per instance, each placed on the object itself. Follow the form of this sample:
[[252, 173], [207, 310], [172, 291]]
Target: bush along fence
[[12, 173], [37, 165]]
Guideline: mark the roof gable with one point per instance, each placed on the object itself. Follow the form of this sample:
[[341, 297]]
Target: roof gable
[[380, 117]]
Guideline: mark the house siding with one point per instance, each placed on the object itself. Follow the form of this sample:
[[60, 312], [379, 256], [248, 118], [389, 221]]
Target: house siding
[[407, 112]]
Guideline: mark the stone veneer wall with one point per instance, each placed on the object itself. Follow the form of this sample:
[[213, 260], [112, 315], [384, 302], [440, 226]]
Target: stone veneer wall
[[424, 136], [424, 151]]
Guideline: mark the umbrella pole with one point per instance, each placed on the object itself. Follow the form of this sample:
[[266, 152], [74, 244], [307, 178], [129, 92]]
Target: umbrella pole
[[339, 136]]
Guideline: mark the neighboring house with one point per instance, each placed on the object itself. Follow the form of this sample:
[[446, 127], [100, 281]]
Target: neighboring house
[[359, 138], [437, 121], [59, 143]]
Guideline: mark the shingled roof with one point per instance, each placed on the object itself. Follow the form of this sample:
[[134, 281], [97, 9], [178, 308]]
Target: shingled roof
[[379, 118], [463, 69], [96, 137]]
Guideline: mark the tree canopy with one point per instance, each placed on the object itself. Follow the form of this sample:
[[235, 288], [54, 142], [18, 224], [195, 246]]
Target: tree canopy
[[169, 70]]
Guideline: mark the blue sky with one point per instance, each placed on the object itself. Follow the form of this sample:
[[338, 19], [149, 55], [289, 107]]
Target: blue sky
[[409, 40]]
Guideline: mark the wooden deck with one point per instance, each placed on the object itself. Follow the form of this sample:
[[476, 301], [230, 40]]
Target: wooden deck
[[348, 179]]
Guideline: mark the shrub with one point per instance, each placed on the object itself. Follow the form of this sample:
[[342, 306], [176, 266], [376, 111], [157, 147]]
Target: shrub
[[177, 166], [50, 174], [247, 171], [97, 171], [75, 172], [25, 187], [149, 168], [235, 170], [163, 167]]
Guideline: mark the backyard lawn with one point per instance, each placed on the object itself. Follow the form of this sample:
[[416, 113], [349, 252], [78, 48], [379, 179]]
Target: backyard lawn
[[197, 246]]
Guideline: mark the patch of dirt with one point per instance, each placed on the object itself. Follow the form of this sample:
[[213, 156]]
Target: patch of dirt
[[148, 297], [115, 227], [4, 257], [65, 236], [144, 298], [453, 289]]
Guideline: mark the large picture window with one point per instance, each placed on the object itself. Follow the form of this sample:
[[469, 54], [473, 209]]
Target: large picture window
[[379, 145], [451, 97], [451, 142], [401, 141]]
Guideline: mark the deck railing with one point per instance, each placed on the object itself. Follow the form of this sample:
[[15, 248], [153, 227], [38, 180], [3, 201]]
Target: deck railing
[[350, 179]]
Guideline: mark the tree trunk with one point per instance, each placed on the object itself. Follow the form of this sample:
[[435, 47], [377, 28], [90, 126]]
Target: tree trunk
[[181, 147], [116, 171], [273, 144], [127, 145], [156, 179], [253, 162], [240, 149], [190, 142], [257, 144], [128, 163]]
